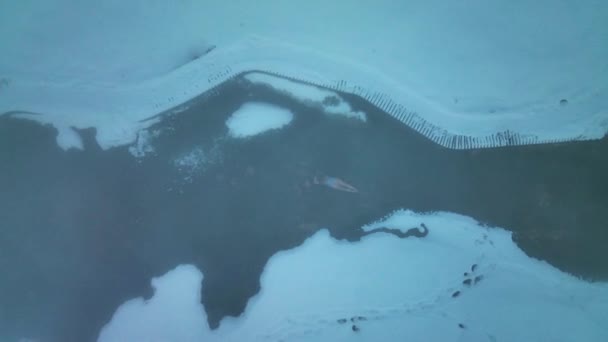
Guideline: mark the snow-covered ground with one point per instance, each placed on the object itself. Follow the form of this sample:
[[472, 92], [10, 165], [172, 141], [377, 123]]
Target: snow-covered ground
[[390, 289], [470, 67]]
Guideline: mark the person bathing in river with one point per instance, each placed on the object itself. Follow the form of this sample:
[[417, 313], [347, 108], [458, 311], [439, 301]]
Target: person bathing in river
[[334, 183]]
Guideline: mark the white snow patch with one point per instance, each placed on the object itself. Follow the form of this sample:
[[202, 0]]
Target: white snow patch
[[391, 289], [254, 118], [68, 138], [329, 101], [174, 313], [111, 131]]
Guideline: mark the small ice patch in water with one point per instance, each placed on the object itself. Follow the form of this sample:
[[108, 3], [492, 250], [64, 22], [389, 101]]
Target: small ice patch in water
[[255, 118], [143, 144]]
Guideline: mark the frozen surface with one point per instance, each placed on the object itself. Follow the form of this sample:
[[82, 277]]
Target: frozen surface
[[470, 67], [390, 289], [254, 118]]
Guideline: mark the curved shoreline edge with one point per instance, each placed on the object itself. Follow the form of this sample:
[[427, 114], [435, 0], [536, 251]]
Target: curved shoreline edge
[[119, 111]]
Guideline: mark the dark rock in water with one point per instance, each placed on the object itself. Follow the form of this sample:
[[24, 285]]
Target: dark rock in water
[[342, 320], [467, 282], [477, 279], [331, 101], [563, 102], [361, 318], [355, 328], [456, 294], [473, 267], [461, 326], [466, 274]]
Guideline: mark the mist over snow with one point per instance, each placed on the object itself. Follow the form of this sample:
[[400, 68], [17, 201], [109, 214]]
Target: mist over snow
[[111, 41]]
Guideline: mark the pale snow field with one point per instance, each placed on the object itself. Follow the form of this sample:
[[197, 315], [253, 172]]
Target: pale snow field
[[470, 67], [254, 118], [402, 287]]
